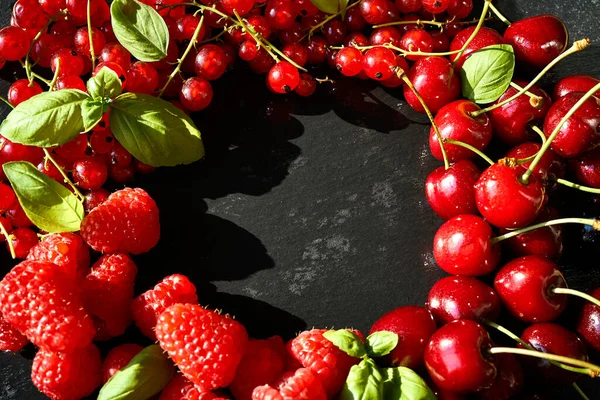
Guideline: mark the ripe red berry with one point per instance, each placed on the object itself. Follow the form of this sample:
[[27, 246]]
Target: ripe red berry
[[374, 11], [7, 197], [307, 85], [102, 141], [451, 192], [283, 77], [22, 90], [196, 94], [416, 40], [242, 7], [73, 149], [89, 172], [10, 338], [78, 8], [210, 62], [53, 7], [574, 83], [82, 41], [460, 8], [47, 45], [435, 80], [379, 63], [7, 227], [65, 250], [436, 6], [114, 52], [70, 82], [22, 240], [118, 358], [186, 26], [17, 217], [67, 62], [485, 37], [296, 52], [13, 43], [293, 385], [280, 14], [94, 198], [349, 61]]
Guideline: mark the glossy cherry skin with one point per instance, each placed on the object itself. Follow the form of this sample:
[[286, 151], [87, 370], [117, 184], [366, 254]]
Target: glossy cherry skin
[[504, 201], [550, 166], [587, 168], [537, 40], [485, 37], [588, 322], [463, 246], [454, 122], [451, 192], [581, 132], [462, 297], [525, 287], [435, 80], [509, 381], [456, 357], [574, 83], [416, 40], [414, 327], [554, 339], [510, 122]]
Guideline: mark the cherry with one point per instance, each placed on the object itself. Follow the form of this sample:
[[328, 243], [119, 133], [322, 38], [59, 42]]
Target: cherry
[[574, 83], [409, 6], [13, 43], [248, 50], [44, 47], [242, 7], [73, 149], [210, 62], [349, 61], [554, 339], [581, 132], [263, 62], [10, 151], [22, 90], [291, 35], [550, 166], [435, 80], [455, 122], [82, 41], [7, 197], [67, 62], [7, 227], [414, 327], [296, 52], [186, 26], [89, 172], [334, 31], [353, 20], [385, 34], [78, 8], [457, 360], [463, 246], [119, 156], [283, 77], [441, 43], [373, 11], [49, 169], [504, 200], [280, 14], [196, 94], [588, 322], [23, 239], [460, 8], [317, 50], [416, 40], [379, 63], [94, 198], [114, 52], [537, 40], [17, 217], [587, 168], [461, 297], [485, 37], [52, 7], [141, 78], [213, 19], [509, 381], [70, 82], [29, 15], [451, 192], [307, 85], [121, 174]]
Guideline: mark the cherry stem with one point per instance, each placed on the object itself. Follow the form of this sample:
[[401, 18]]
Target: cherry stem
[[402, 75], [536, 101], [557, 129], [484, 12], [64, 175], [9, 242], [418, 22], [578, 390], [90, 35], [577, 293], [34, 75], [577, 46], [55, 77], [594, 223], [468, 146], [326, 20], [211, 39], [183, 56], [539, 132], [499, 15], [6, 102], [577, 186]]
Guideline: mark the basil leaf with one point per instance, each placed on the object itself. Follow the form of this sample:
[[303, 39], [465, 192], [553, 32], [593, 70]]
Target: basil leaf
[[155, 131], [364, 382], [47, 203], [381, 343], [328, 6], [106, 84], [403, 383], [92, 111], [487, 73], [347, 341], [145, 375], [140, 29], [46, 120]]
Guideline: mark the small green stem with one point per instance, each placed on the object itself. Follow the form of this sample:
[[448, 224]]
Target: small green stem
[[539, 132], [55, 77], [326, 20], [64, 175], [418, 22], [581, 393], [499, 14], [468, 146], [90, 34], [6, 102], [594, 223], [9, 242], [465, 46], [577, 186], [536, 101], [577, 293], [211, 39]]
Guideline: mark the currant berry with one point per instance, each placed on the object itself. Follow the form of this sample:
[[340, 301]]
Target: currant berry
[[78, 8], [248, 50], [170, 59], [141, 78], [17, 217], [174, 87], [67, 62], [317, 50], [242, 7], [7, 197], [121, 174], [116, 68], [82, 41], [349, 61], [280, 14], [379, 63], [7, 227], [49, 169], [102, 141], [143, 168], [460, 9], [11, 151], [409, 6], [29, 15], [186, 26], [53, 7], [296, 52], [416, 40], [94, 198], [70, 82], [22, 90], [374, 11], [385, 35], [114, 52], [13, 43], [436, 6], [73, 149], [196, 94], [211, 62], [119, 156], [283, 77], [23, 239], [334, 32], [293, 34], [305, 8], [89, 172], [307, 85], [262, 63]]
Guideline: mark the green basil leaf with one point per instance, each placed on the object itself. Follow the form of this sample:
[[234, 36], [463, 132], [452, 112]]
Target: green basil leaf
[[347, 341], [47, 203], [46, 120], [487, 73], [92, 111], [364, 382], [140, 29], [145, 375], [105, 84], [328, 6], [381, 343], [403, 383], [343, 7], [155, 131]]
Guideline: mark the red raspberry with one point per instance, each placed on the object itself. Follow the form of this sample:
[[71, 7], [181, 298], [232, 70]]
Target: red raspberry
[[323, 358], [262, 364], [206, 346], [107, 293], [302, 384], [126, 222], [10, 338], [38, 300], [67, 376], [181, 389], [118, 358], [66, 250], [149, 305]]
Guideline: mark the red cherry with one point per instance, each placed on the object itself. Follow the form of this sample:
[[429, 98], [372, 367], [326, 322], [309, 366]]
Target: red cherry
[[349, 61], [379, 63], [354, 20], [509, 381], [416, 40], [22, 90], [550, 166], [485, 37], [67, 61], [461, 297], [23, 239], [10, 151], [210, 62], [52, 7], [82, 41], [451, 192], [588, 322], [78, 8], [186, 26], [248, 50], [141, 78], [70, 82], [196, 94], [409, 6], [283, 77], [457, 360], [373, 11], [280, 14], [89, 173], [44, 47], [463, 246], [114, 52], [385, 35], [94, 198], [414, 326], [13, 43], [574, 83], [460, 8], [537, 40], [7, 197], [242, 7], [307, 85]]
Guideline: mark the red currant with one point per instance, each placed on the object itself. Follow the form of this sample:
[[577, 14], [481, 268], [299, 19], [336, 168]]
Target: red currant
[[119, 156], [22, 90], [82, 41], [73, 149], [317, 50], [94, 198], [13, 43], [196, 94], [17, 217], [248, 50], [379, 63], [11, 151], [141, 78], [29, 15], [48, 168], [7, 227], [67, 61], [409, 6], [292, 34], [353, 20], [121, 174], [349, 61], [281, 14], [23, 239], [242, 7], [211, 62], [416, 40], [283, 77], [460, 8], [7, 197], [53, 7], [186, 26], [114, 52], [70, 82], [334, 32], [143, 168], [296, 52], [436, 6], [89, 172], [374, 11], [102, 141]]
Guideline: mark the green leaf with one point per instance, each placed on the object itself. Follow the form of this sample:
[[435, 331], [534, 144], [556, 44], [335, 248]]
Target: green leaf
[[347, 341], [403, 383], [105, 84], [381, 343], [487, 73], [92, 111], [364, 382], [328, 6], [155, 131], [145, 375], [47, 203], [46, 120], [140, 29]]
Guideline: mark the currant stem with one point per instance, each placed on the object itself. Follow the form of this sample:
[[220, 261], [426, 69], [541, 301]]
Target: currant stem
[[536, 101], [468, 146], [211, 39], [326, 20], [557, 129], [9, 242], [55, 77], [577, 293], [499, 14], [484, 12], [594, 223], [6, 102], [64, 175], [581, 393], [90, 35], [418, 22]]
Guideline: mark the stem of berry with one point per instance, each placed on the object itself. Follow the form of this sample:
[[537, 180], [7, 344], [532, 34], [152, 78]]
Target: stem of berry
[[539, 132], [326, 20], [499, 14], [577, 186], [578, 390], [594, 223], [418, 22], [9, 242], [64, 175], [577, 293], [6, 102], [468, 146], [212, 39], [55, 77], [557, 129], [576, 47], [484, 12], [90, 35], [535, 101]]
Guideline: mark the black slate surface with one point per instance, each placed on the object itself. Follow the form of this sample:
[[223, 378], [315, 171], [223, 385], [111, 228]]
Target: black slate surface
[[310, 212]]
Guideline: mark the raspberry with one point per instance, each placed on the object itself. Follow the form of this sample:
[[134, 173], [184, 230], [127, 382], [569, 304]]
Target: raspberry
[[207, 347], [67, 376], [181, 389], [38, 300], [10, 338], [126, 222], [66, 250], [262, 364], [302, 384], [149, 305], [323, 358], [118, 358], [107, 293]]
